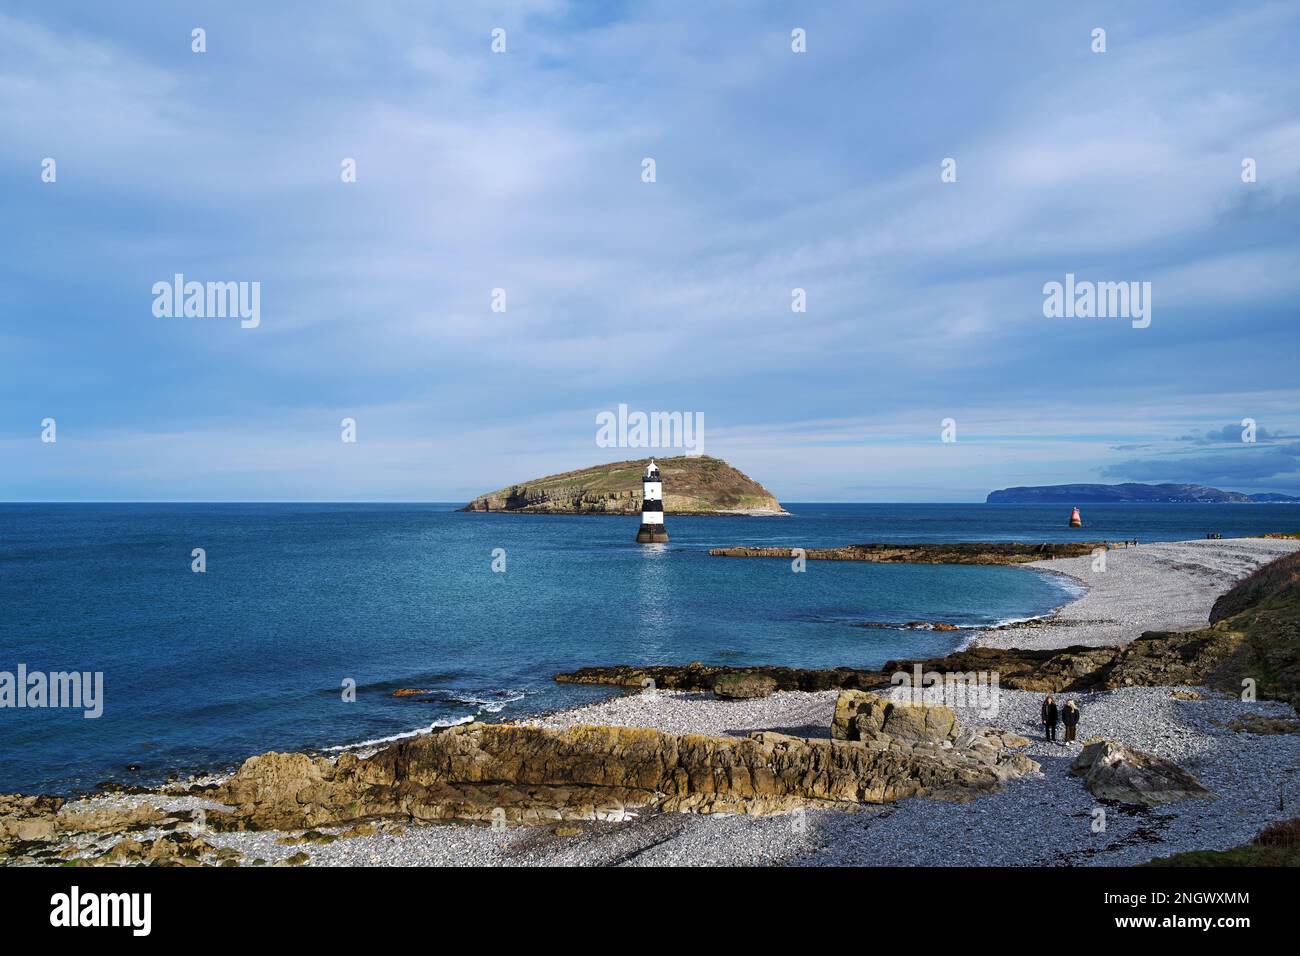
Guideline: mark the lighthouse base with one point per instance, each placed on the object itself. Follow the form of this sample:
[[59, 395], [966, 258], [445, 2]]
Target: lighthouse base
[[651, 534]]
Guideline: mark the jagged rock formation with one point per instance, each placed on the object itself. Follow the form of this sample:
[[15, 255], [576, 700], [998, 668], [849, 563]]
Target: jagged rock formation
[[883, 724], [523, 774], [505, 773], [693, 484], [1112, 771], [977, 552]]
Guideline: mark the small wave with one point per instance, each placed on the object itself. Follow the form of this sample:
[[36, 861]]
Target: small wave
[[405, 735], [492, 702], [1008, 621]]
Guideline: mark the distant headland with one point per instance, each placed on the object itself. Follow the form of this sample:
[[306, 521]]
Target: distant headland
[[692, 485], [1130, 492]]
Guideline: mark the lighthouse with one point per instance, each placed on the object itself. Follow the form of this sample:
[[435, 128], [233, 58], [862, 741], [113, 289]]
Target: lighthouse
[[652, 508]]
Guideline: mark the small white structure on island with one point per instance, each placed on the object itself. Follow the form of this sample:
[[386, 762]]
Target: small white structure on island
[[652, 508]]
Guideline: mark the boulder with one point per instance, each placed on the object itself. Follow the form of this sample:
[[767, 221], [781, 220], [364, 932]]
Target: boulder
[[860, 715], [743, 686], [849, 705], [917, 722], [1112, 771]]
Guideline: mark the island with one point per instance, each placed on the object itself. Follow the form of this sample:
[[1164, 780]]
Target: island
[[1131, 492], [692, 485]]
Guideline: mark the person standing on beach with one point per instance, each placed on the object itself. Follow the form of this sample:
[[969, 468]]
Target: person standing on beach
[[1050, 716], [1070, 717]]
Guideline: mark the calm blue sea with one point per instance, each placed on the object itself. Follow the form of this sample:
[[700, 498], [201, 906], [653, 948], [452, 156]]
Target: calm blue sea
[[202, 670]]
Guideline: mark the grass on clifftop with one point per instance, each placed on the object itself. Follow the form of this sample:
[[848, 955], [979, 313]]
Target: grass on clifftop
[[1278, 844], [692, 484], [1261, 616]]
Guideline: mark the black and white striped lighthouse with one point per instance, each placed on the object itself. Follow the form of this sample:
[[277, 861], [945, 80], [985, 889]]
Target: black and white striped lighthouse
[[652, 508]]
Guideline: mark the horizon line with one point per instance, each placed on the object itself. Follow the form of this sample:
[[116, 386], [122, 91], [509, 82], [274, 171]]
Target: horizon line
[[432, 501]]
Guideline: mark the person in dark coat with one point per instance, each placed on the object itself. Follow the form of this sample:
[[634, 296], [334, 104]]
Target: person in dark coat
[[1050, 717], [1070, 717]]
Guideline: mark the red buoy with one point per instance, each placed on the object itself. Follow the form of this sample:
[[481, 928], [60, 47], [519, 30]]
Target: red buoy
[[1075, 520]]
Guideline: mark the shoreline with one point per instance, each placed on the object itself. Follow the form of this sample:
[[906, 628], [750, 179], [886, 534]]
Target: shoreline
[[1033, 821], [1162, 586], [1070, 573], [539, 717]]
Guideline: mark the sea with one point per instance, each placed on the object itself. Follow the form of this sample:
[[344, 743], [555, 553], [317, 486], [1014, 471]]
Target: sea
[[307, 617]]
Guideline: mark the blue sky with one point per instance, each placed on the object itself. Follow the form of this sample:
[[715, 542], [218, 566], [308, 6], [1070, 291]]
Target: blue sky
[[522, 171]]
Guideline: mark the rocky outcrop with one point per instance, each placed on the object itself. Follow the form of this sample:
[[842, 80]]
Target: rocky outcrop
[[700, 677], [523, 774], [741, 686], [1075, 668], [1112, 771], [48, 830], [172, 849], [27, 818], [881, 751], [926, 729], [1258, 643], [864, 716], [693, 484], [1160, 658], [999, 552], [1047, 671], [42, 818]]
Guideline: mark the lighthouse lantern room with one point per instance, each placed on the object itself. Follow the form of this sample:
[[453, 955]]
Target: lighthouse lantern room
[[652, 508]]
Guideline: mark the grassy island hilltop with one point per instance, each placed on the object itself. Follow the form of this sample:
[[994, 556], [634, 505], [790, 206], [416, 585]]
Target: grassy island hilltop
[[693, 484]]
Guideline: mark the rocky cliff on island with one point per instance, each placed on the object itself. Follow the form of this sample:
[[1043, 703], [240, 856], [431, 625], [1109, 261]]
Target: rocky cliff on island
[[693, 484]]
